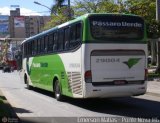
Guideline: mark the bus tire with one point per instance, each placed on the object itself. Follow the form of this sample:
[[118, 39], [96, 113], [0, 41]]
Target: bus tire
[[27, 83], [57, 91]]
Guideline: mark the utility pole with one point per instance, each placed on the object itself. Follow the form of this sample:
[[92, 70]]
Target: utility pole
[[157, 10], [158, 40], [69, 8], [69, 4]]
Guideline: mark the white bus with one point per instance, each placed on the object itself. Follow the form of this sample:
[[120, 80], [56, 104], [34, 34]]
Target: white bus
[[93, 56]]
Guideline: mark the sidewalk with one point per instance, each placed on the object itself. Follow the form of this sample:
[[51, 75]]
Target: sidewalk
[[153, 87]]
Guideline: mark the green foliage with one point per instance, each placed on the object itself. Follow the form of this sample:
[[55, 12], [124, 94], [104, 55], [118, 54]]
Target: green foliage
[[94, 6], [60, 13], [153, 75], [143, 8], [153, 29], [147, 10], [58, 19], [58, 5]]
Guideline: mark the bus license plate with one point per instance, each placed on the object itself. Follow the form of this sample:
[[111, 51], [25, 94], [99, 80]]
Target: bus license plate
[[119, 82]]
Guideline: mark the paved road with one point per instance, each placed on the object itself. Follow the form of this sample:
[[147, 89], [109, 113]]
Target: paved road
[[38, 103]]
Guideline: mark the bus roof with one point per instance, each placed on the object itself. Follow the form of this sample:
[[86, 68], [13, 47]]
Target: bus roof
[[83, 17]]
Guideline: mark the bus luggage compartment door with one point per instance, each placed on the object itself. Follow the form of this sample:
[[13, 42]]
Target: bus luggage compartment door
[[117, 66]]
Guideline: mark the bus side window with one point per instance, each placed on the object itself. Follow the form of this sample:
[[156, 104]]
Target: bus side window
[[33, 47], [39, 45], [72, 36], [78, 32], [45, 43], [60, 39], [75, 34], [24, 49], [66, 38], [50, 42], [55, 38], [42, 45], [29, 48]]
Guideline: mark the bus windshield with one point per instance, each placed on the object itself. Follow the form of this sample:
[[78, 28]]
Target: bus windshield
[[116, 27]]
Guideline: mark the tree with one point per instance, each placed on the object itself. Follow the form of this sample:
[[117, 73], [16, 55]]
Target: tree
[[62, 14], [56, 20], [80, 7], [144, 8], [147, 9], [58, 4], [94, 6]]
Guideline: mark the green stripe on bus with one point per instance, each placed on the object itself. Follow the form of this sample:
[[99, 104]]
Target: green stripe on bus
[[43, 71]]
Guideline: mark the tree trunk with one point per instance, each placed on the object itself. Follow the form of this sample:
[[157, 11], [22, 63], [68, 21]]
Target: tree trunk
[[158, 56], [153, 52]]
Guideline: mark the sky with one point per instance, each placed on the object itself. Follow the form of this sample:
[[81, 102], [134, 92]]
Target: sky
[[27, 7]]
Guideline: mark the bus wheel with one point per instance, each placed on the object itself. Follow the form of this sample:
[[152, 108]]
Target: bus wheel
[[57, 91], [28, 86], [27, 83]]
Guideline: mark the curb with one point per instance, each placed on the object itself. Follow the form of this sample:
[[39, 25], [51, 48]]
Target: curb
[[153, 94]]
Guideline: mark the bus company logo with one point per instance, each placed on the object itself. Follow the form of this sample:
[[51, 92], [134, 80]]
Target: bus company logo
[[131, 62], [117, 24]]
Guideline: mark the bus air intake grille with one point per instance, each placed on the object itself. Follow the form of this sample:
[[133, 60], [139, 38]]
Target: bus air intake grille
[[75, 82]]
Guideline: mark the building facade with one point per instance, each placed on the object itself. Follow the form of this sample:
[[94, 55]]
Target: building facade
[[25, 26], [14, 29]]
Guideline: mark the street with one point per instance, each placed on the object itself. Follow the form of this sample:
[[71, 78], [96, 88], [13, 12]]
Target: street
[[39, 103]]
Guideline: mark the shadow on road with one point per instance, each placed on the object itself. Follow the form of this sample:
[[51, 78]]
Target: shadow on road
[[125, 106], [21, 110], [128, 106]]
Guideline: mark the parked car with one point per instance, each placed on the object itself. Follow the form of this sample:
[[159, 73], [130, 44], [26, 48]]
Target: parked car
[[149, 59], [6, 68], [1, 67]]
